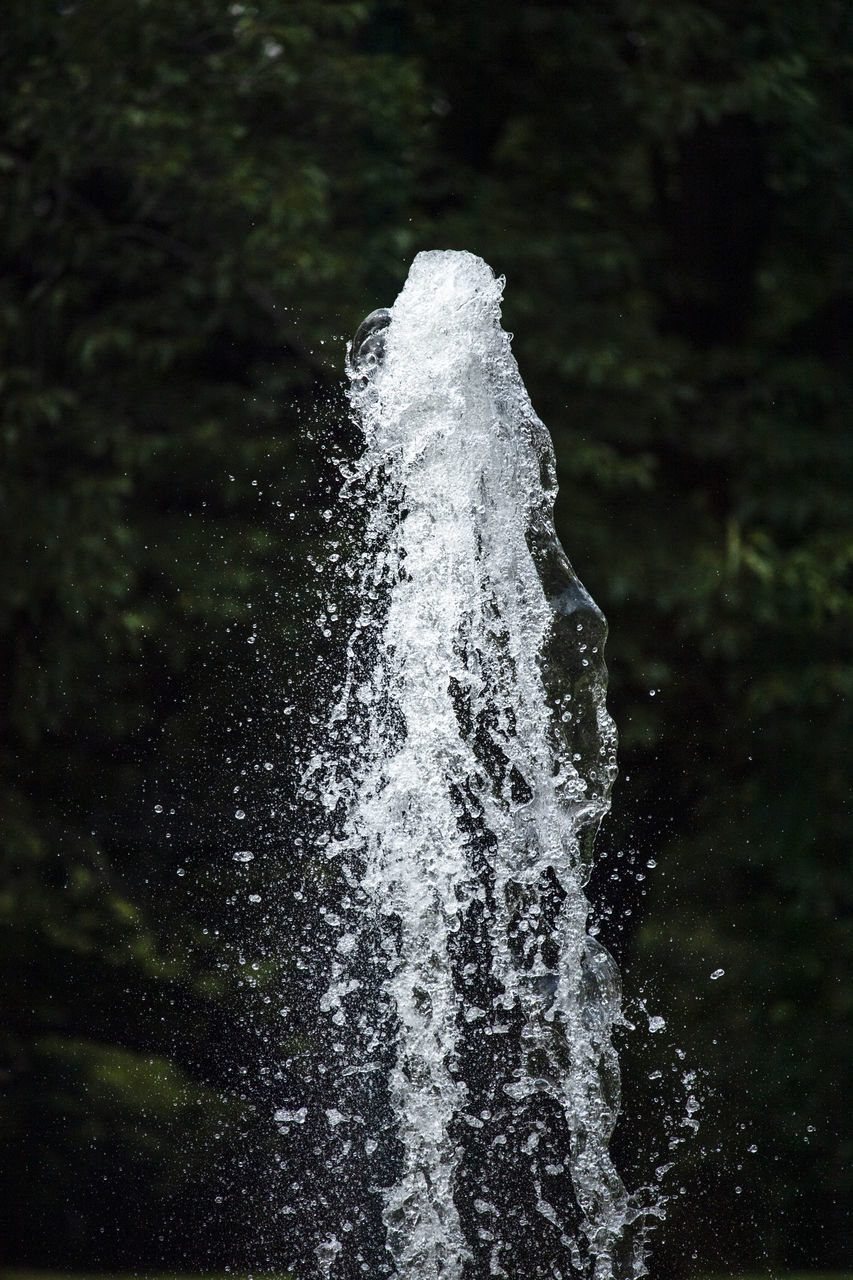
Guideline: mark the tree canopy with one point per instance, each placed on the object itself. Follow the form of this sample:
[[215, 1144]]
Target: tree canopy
[[201, 201]]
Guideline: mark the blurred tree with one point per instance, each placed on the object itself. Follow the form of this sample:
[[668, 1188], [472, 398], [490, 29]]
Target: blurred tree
[[193, 196], [199, 201], [667, 189]]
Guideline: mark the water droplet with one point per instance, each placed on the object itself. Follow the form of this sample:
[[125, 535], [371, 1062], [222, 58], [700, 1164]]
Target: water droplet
[[158, 808], [656, 1023], [267, 765], [240, 815], [652, 692], [753, 1148], [180, 871], [243, 855], [652, 862], [254, 897], [718, 973], [251, 639], [291, 1117]]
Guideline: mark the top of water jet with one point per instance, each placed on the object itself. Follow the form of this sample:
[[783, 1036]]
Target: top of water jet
[[436, 369], [447, 312], [456, 296]]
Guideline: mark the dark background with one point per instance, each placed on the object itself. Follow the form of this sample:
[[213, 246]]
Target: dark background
[[199, 203]]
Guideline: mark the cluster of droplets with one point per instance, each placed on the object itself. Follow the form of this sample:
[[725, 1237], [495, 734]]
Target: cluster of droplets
[[465, 1012]]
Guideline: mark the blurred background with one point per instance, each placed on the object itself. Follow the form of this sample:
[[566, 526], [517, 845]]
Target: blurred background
[[200, 201]]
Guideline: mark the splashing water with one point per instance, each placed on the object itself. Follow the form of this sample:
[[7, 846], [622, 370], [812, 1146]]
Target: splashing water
[[470, 1084]]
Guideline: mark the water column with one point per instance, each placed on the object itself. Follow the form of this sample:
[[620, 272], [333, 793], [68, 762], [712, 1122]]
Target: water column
[[464, 771]]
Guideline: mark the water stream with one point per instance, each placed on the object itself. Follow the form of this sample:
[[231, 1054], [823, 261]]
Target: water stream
[[470, 1086]]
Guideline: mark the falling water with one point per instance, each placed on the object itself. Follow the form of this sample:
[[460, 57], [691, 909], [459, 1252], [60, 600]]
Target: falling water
[[470, 1086]]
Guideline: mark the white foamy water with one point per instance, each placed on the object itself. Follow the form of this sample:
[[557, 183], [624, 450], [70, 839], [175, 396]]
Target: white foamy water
[[465, 769]]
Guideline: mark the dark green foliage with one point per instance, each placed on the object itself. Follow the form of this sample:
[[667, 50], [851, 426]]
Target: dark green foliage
[[199, 201], [178, 238]]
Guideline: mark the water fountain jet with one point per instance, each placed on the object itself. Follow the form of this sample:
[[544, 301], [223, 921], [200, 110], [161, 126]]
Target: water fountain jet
[[470, 1083]]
